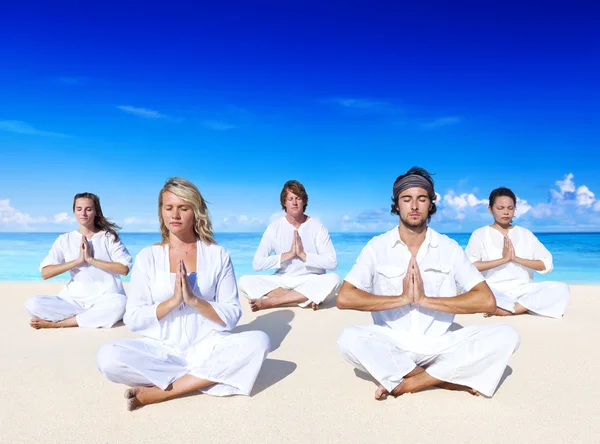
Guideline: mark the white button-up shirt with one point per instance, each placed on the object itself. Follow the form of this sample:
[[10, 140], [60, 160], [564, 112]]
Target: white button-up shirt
[[444, 267], [486, 244], [278, 238]]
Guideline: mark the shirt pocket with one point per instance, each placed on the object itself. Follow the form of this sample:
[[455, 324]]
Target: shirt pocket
[[434, 278], [388, 280]]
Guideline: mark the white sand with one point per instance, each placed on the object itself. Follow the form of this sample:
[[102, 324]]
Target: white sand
[[51, 391]]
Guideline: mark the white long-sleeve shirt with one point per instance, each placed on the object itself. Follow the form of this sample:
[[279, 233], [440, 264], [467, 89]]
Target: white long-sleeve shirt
[[486, 244], [278, 238], [88, 282], [153, 283]]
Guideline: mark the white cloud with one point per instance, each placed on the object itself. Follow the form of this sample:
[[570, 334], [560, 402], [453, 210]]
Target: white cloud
[[443, 121], [19, 127], [12, 216], [142, 112], [461, 201], [218, 125], [523, 208], [584, 196], [63, 217]]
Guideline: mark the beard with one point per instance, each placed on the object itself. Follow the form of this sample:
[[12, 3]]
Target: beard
[[414, 223]]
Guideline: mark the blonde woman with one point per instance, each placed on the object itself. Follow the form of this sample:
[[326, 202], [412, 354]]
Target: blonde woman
[[95, 257], [183, 298]]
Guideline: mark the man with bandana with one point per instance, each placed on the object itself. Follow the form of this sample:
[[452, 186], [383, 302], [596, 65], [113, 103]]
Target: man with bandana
[[414, 280]]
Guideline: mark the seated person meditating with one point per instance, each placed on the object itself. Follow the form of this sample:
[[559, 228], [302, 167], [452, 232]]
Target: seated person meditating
[[95, 257], [299, 248], [409, 279], [183, 298], [507, 255]]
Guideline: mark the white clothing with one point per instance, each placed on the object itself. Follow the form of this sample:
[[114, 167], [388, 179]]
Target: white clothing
[[306, 277], [408, 336], [90, 288], [278, 238], [184, 341], [106, 312], [513, 283], [445, 269], [317, 288], [474, 356]]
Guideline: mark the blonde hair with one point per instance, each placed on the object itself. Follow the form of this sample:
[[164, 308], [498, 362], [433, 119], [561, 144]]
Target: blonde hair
[[186, 190]]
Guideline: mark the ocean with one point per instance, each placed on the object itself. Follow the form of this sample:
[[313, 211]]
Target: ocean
[[576, 255]]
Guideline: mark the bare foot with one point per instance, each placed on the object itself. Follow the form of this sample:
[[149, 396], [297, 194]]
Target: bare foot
[[458, 388], [381, 393], [259, 304], [38, 323], [314, 306], [498, 312], [132, 402]]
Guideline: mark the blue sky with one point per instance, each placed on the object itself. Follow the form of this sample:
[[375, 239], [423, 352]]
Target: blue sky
[[343, 97]]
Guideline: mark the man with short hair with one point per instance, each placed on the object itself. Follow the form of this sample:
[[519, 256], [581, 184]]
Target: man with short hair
[[409, 278], [299, 248]]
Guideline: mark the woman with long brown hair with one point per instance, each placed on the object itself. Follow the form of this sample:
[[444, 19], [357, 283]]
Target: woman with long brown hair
[[95, 257], [184, 299]]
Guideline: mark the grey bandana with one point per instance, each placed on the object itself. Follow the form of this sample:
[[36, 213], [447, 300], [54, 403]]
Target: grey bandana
[[412, 181]]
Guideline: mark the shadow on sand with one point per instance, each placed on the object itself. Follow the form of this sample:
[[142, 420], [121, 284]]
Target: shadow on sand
[[276, 324], [271, 372]]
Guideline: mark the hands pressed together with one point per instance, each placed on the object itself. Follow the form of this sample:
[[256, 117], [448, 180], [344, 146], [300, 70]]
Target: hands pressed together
[[297, 249], [85, 253], [183, 291], [508, 251], [412, 284]]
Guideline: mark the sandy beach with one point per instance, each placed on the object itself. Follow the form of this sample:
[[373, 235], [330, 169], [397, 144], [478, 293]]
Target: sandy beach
[[306, 392]]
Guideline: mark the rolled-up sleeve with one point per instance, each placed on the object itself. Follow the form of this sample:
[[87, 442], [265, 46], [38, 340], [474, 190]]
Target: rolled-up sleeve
[[140, 313], [56, 255], [466, 274], [118, 252], [227, 302]]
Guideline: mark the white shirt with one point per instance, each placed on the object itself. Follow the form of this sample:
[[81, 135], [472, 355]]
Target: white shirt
[[486, 244], [153, 283], [444, 267], [87, 281], [278, 238]]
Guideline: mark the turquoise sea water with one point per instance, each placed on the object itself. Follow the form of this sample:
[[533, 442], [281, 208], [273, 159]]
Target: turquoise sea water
[[576, 255]]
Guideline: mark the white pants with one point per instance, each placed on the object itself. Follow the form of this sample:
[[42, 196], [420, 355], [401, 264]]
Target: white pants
[[543, 298], [105, 312], [232, 361], [474, 356], [316, 287]]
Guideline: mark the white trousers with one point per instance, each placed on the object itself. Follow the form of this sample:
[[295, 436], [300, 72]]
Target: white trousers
[[474, 356], [542, 298], [316, 287], [232, 361], [105, 312]]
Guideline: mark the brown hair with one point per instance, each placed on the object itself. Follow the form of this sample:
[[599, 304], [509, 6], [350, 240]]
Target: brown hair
[[100, 222], [186, 190], [295, 187]]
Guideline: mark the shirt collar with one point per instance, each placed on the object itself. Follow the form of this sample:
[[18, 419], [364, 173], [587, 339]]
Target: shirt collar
[[431, 237]]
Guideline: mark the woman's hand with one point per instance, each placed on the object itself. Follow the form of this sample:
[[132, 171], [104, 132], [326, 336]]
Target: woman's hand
[[186, 290]]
